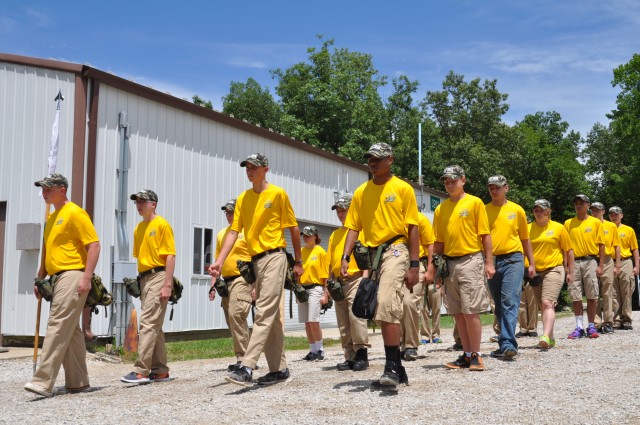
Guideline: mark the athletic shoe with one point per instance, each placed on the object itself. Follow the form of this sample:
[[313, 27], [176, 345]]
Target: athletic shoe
[[135, 378], [577, 333], [424, 341], [592, 332], [497, 354], [65, 390], [437, 340], [391, 375], [361, 362], [533, 334], [510, 353], [627, 326], [607, 329], [311, 357], [522, 334], [494, 338], [274, 377], [37, 389], [239, 377], [159, 377], [345, 365], [477, 364], [544, 343], [233, 367], [319, 356], [410, 354], [461, 362]]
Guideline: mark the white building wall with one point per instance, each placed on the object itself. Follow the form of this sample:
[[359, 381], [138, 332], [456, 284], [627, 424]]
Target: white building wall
[[28, 110]]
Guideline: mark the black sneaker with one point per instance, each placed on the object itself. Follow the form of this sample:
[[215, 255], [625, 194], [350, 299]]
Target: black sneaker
[[319, 356], [345, 365], [410, 354], [510, 353], [461, 362], [361, 362], [241, 377], [626, 326], [533, 334], [233, 367], [311, 357], [391, 375], [522, 334], [607, 329], [274, 377], [497, 354]]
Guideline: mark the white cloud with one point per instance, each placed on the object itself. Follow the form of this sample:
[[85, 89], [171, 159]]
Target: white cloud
[[38, 18]]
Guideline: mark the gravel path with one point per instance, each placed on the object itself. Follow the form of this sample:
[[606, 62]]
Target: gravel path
[[578, 382]]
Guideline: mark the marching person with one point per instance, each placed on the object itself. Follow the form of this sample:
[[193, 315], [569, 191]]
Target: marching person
[[385, 210], [413, 300], [610, 271], [155, 250], [509, 238], [314, 262], [587, 238], [69, 256], [263, 212], [237, 304], [624, 284], [552, 249], [353, 330], [528, 312], [462, 236]]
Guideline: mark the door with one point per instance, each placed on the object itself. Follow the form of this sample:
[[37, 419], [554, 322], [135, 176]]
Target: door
[[3, 219]]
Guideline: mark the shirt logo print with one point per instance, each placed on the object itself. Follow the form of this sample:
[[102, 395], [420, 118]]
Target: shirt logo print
[[511, 216], [390, 198], [622, 235], [606, 232], [588, 230], [152, 233], [314, 258], [464, 213], [59, 222], [268, 204], [549, 233]]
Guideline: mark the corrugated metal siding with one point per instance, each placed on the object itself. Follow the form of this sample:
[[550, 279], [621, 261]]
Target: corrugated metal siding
[[28, 110]]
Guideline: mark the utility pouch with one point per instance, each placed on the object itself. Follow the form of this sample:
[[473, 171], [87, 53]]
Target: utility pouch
[[45, 288], [361, 255], [222, 287], [247, 271], [335, 289], [133, 286]]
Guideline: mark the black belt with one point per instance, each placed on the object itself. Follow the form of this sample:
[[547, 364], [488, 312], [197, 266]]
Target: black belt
[[150, 272], [450, 258], [230, 279], [265, 253], [585, 258], [501, 256], [625, 258], [310, 285], [64, 271]]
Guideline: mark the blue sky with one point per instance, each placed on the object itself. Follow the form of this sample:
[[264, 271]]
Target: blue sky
[[547, 55]]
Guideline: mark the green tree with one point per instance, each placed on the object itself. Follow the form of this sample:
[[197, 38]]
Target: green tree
[[249, 101], [201, 102]]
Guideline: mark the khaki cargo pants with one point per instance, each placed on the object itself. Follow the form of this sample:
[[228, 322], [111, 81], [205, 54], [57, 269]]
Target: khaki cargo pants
[[152, 353], [353, 330], [236, 308]]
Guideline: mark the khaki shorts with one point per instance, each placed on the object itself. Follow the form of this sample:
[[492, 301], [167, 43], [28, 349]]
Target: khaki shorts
[[465, 286], [584, 278], [310, 311], [552, 281], [393, 267]]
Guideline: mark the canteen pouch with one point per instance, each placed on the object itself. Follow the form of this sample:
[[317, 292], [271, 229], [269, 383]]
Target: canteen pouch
[[335, 289], [222, 287], [301, 293], [361, 255], [176, 291], [133, 286], [45, 288], [327, 306], [533, 281], [246, 270], [98, 294]]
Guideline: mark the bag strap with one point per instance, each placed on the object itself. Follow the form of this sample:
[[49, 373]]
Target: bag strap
[[380, 250]]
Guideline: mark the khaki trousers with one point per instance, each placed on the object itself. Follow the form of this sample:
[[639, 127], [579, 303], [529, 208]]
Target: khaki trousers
[[268, 327], [528, 312], [152, 353], [236, 308], [410, 322], [354, 333], [430, 327], [623, 287], [604, 315], [64, 342]]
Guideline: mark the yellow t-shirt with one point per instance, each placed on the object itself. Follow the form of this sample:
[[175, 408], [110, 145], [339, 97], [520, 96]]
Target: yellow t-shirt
[[426, 234], [336, 249], [628, 241], [611, 239], [548, 243], [238, 252], [382, 211], [152, 242], [66, 233], [586, 235], [460, 224], [263, 217], [508, 224], [314, 262]]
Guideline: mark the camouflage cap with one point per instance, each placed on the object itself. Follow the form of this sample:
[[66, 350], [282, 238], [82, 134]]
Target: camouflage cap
[[615, 210], [542, 203], [585, 198], [598, 206], [230, 206], [344, 201], [145, 195], [497, 180], [256, 159], [309, 231], [53, 180], [452, 172], [379, 150]]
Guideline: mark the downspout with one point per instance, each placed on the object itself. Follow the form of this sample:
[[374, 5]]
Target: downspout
[[122, 176]]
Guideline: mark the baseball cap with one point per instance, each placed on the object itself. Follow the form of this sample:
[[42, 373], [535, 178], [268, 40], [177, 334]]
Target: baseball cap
[[452, 172], [542, 203], [615, 210], [145, 195], [256, 159], [585, 198], [379, 150], [53, 180], [497, 180], [597, 205], [309, 231], [230, 206], [344, 201]]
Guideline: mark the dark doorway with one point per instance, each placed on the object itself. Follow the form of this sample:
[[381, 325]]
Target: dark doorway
[[3, 220]]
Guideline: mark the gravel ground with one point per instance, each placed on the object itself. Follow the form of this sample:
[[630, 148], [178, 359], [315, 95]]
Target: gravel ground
[[578, 382]]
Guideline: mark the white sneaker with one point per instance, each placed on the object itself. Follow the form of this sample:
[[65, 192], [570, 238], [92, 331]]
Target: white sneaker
[[37, 389]]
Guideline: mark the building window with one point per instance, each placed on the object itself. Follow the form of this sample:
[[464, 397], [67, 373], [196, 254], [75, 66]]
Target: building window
[[202, 249]]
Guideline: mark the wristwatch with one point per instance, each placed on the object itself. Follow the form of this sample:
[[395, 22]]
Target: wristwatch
[[346, 257], [298, 262], [414, 263]]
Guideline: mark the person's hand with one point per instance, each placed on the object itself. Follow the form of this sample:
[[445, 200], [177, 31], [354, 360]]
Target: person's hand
[[532, 271], [429, 276], [489, 270], [212, 290], [569, 278], [616, 269], [324, 299], [636, 270], [297, 270], [411, 277], [253, 294], [35, 292], [599, 271], [344, 268], [165, 293], [214, 270], [85, 285]]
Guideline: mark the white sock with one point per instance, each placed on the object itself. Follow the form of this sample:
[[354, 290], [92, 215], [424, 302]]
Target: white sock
[[319, 346], [579, 323], [312, 346], [467, 353], [592, 324]]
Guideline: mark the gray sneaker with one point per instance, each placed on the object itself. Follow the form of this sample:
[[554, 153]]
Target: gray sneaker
[[274, 377], [37, 389], [135, 378], [241, 376], [410, 354]]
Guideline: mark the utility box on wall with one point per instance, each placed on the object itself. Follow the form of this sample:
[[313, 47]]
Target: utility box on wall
[[28, 236]]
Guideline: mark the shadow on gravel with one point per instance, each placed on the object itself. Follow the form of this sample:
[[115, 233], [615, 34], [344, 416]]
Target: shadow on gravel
[[364, 385], [433, 366]]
